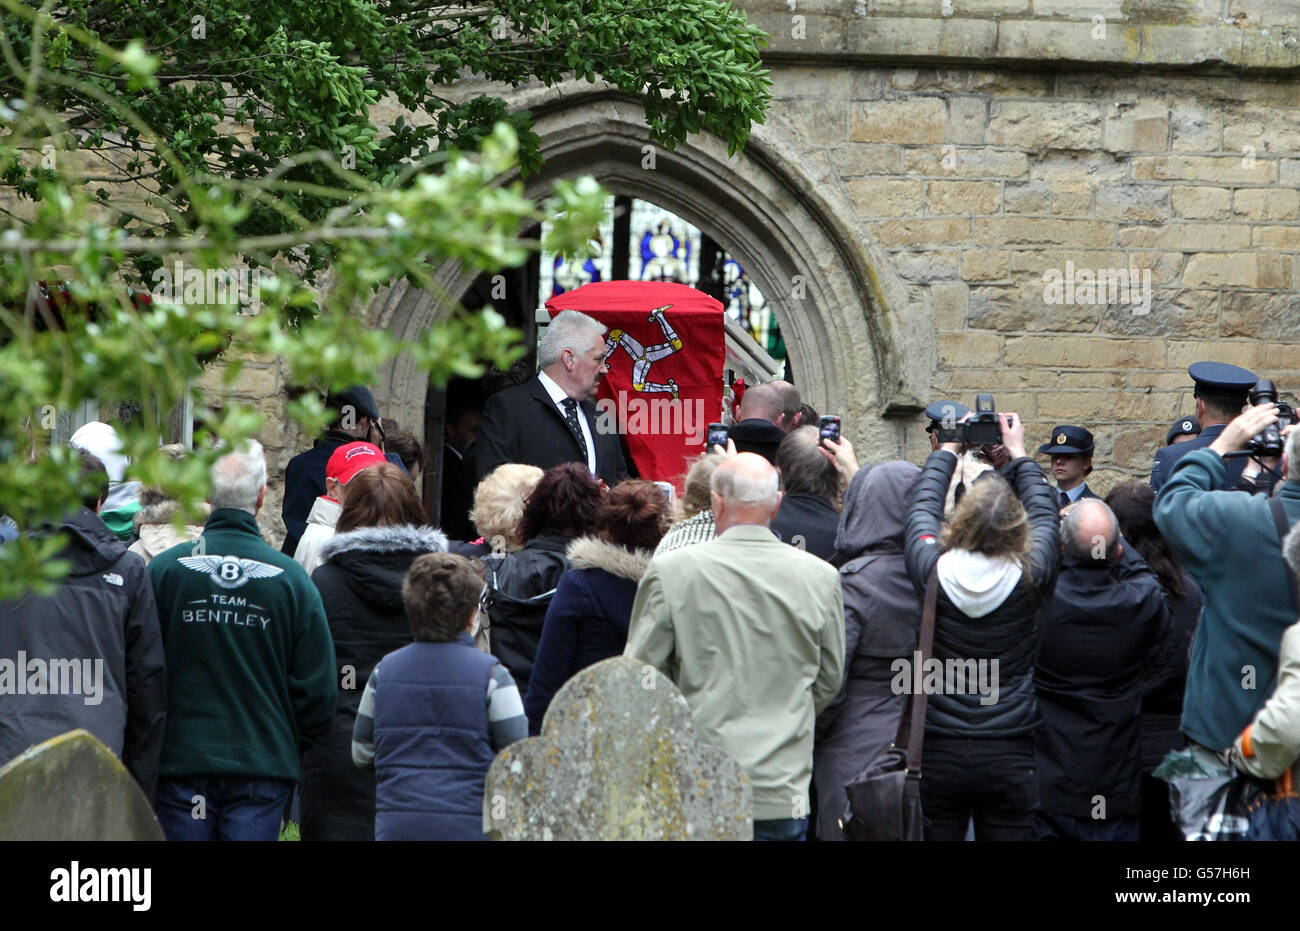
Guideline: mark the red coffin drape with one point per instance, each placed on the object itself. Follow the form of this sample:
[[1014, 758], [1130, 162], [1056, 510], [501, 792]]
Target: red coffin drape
[[662, 338]]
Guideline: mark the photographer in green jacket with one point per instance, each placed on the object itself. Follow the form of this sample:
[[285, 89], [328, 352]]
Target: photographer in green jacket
[[1231, 545]]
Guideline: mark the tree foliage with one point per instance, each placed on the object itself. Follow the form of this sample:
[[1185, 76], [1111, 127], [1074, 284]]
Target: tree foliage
[[300, 76], [136, 133]]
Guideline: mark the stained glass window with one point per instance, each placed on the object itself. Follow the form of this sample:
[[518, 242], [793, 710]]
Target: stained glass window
[[663, 247], [560, 274]]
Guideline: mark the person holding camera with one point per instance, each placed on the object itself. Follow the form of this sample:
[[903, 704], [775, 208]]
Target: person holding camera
[[1220, 393], [997, 560], [1232, 545], [941, 414]]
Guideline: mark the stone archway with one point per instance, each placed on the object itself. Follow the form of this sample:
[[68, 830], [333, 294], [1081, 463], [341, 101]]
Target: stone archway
[[860, 350]]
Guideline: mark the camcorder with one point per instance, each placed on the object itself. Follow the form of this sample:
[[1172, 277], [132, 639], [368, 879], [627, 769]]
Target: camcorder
[[1268, 442], [984, 428]]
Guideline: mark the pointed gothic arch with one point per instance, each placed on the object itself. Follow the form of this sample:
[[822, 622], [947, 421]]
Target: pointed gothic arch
[[857, 344]]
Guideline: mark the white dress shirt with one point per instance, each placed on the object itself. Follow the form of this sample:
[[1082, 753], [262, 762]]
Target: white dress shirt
[[558, 395]]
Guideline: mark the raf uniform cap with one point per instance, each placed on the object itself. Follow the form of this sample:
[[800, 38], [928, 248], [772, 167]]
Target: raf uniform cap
[[1186, 426], [938, 410], [1068, 440], [1221, 380]]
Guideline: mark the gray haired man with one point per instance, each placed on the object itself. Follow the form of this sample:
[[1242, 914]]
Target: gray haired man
[[250, 667], [552, 418], [752, 631]]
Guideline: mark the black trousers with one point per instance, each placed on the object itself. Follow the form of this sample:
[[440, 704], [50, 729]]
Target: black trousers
[[992, 780]]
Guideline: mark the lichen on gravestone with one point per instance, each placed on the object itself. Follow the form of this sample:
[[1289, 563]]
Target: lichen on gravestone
[[617, 760], [72, 788]]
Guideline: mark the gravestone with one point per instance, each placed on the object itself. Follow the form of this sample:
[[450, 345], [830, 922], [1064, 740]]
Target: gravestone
[[72, 787], [617, 759]]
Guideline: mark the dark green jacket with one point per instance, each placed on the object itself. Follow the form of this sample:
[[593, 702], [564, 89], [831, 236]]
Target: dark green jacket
[[250, 660], [1228, 542]]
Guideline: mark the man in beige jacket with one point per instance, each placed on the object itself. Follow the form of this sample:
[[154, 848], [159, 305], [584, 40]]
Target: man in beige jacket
[[752, 631]]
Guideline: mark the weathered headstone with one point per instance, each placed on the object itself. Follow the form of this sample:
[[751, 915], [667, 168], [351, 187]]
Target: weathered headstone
[[617, 759], [71, 787]]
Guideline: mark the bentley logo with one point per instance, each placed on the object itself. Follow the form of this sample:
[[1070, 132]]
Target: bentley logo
[[230, 571], [1060, 439]]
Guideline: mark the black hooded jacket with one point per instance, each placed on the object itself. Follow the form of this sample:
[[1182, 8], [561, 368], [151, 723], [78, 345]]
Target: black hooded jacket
[[520, 588], [104, 618], [360, 582], [1010, 632]]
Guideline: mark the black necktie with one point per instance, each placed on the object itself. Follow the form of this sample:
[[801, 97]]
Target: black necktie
[[1063, 499], [571, 416]]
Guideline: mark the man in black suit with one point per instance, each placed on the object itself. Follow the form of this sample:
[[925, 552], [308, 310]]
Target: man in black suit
[[458, 479], [552, 418], [1071, 451], [758, 429]]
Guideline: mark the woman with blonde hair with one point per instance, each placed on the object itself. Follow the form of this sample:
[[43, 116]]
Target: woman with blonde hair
[[498, 507], [996, 563], [696, 523]]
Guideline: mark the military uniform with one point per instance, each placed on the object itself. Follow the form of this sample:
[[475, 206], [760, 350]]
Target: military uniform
[[1183, 426], [1069, 440], [1216, 379]]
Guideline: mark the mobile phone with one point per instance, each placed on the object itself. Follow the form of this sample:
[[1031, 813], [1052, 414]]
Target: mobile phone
[[668, 490], [717, 436], [830, 428]]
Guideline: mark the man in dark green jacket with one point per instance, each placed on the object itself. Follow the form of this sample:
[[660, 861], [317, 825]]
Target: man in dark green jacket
[[1229, 542], [250, 668]]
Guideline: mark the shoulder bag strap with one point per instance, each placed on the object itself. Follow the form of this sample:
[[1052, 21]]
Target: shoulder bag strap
[[1283, 526], [911, 729]]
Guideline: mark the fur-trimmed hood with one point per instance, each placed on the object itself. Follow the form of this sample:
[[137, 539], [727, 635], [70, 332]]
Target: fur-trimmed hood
[[159, 510], [405, 538], [594, 553]]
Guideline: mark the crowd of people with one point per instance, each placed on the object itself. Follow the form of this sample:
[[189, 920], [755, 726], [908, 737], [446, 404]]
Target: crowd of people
[[362, 678]]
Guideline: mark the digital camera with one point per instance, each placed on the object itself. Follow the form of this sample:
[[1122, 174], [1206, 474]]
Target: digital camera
[[1268, 443], [983, 428]]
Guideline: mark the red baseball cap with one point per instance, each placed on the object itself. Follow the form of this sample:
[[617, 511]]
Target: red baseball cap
[[350, 458]]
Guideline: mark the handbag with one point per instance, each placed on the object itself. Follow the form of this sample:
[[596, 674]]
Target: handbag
[[884, 801], [1209, 799]]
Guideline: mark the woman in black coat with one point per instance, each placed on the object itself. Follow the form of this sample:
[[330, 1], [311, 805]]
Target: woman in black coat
[[1162, 698], [997, 561], [360, 582], [588, 617], [881, 614]]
